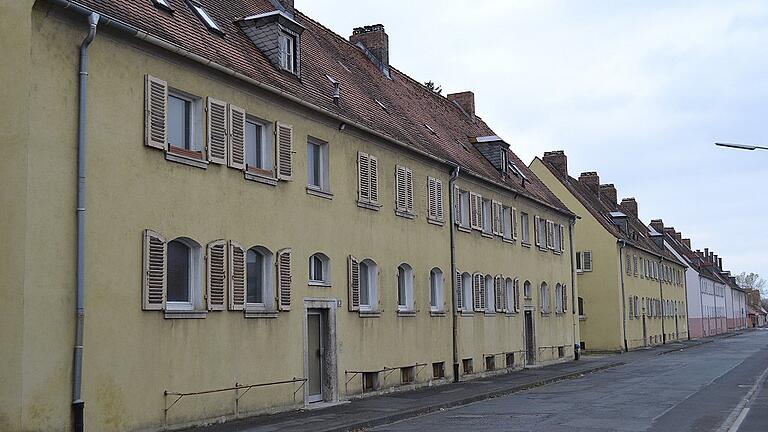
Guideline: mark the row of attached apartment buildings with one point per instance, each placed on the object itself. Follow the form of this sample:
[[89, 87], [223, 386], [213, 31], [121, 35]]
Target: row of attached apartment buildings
[[222, 208]]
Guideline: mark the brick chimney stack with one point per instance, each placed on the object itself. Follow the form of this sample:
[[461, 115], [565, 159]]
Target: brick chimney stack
[[558, 160], [687, 242], [608, 194], [629, 206], [658, 225], [288, 5], [466, 100], [375, 40], [720, 263], [591, 181]]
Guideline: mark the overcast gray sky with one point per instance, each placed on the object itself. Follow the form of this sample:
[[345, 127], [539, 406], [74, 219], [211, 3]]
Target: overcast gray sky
[[638, 91]]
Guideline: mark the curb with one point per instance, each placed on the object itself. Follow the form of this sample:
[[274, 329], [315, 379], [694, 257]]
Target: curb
[[669, 351], [389, 419]]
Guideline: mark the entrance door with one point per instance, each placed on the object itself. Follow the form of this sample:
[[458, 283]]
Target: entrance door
[[315, 355], [530, 348]]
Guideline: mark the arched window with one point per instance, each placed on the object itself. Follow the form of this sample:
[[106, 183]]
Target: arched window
[[544, 294], [404, 288], [259, 277], [490, 295], [527, 290], [183, 278], [436, 290], [558, 298], [369, 285], [319, 270], [466, 292]]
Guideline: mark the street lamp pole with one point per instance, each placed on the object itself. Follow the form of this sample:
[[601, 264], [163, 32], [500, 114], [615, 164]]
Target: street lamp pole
[[741, 146]]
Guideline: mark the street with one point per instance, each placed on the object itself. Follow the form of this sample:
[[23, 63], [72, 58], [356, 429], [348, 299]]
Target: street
[[699, 389]]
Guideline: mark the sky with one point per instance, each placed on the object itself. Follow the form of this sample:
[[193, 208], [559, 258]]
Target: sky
[[637, 91]]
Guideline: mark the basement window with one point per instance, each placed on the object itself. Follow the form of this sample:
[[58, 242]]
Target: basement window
[[510, 360], [204, 16], [467, 364], [408, 374], [490, 363], [370, 381], [438, 370]]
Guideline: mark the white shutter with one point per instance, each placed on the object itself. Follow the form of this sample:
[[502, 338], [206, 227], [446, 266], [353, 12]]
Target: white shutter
[[237, 276], [565, 298], [354, 284], [562, 238], [431, 196], [459, 292], [496, 227], [498, 291], [408, 190], [284, 140], [516, 289], [439, 212], [400, 188], [216, 272], [374, 169], [236, 137], [587, 257], [284, 280], [363, 177], [457, 206], [217, 131], [536, 230], [514, 223], [154, 278], [477, 290], [155, 113]]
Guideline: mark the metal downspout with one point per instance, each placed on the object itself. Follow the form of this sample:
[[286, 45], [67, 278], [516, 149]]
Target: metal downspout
[[78, 404], [622, 244], [663, 306], [574, 300], [454, 300]]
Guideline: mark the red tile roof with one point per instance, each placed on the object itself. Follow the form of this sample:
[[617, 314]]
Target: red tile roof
[[410, 106]]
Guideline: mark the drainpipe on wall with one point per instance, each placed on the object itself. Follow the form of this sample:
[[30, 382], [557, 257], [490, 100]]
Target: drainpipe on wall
[[574, 300], [78, 405], [663, 306], [454, 288], [622, 244]]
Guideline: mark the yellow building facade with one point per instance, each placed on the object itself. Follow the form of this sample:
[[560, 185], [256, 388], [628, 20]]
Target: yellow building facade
[[361, 248], [632, 291]]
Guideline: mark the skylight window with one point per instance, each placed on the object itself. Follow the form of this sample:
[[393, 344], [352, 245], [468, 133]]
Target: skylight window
[[384, 107], [430, 129], [203, 14], [163, 4]]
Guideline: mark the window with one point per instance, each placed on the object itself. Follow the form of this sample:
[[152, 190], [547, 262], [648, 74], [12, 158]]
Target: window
[[403, 191], [463, 213], [288, 57], [510, 360], [258, 148], [541, 225], [631, 308], [370, 381], [550, 227], [558, 239], [435, 200], [511, 300], [516, 295], [368, 181], [579, 264], [544, 294], [507, 223], [404, 288], [527, 290], [628, 264], [634, 264], [436, 290], [486, 214], [259, 278], [182, 122], [408, 374], [525, 225], [319, 270], [586, 257], [369, 281], [490, 295], [317, 166], [163, 4], [490, 363], [438, 370], [204, 16], [466, 292], [581, 306], [558, 298], [183, 278], [467, 365]]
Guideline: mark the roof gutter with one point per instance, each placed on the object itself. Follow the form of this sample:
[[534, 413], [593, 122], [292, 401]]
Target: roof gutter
[[146, 37]]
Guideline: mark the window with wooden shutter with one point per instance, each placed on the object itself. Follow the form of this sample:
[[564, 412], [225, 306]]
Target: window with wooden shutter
[[363, 177], [237, 276], [354, 284], [216, 271], [409, 190], [496, 218], [457, 206], [218, 139], [550, 234], [440, 210], [284, 135], [514, 223], [236, 150], [478, 292], [516, 294], [154, 280], [565, 298], [562, 238], [284, 280], [473, 215], [499, 297], [374, 167], [459, 292], [537, 230], [400, 189], [587, 258], [155, 113]]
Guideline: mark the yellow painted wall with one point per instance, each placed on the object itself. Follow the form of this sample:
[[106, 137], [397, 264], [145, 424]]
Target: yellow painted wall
[[133, 356]]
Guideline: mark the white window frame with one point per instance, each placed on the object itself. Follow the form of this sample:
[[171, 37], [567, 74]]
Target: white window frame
[[487, 215], [544, 297], [289, 57], [266, 148], [195, 278], [436, 283], [324, 174], [579, 262], [490, 295], [527, 291], [507, 218], [372, 288], [325, 268], [464, 209], [525, 224], [267, 283], [559, 298], [205, 16], [466, 292], [194, 120], [407, 280]]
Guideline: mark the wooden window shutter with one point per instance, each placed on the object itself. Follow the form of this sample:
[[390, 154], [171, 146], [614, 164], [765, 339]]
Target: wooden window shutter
[[284, 280], [496, 217], [587, 257], [550, 234], [154, 280], [236, 149], [439, 211], [354, 284], [565, 298], [400, 199], [363, 177], [459, 292], [498, 289], [536, 230], [409, 190], [155, 113], [237, 276], [431, 196], [374, 169], [216, 271], [284, 141], [218, 138], [516, 285], [562, 238], [514, 223], [477, 289]]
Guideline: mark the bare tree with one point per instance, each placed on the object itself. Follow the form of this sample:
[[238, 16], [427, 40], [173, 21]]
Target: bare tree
[[751, 281]]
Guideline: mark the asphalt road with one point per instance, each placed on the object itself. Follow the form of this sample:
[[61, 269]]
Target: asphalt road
[[716, 386]]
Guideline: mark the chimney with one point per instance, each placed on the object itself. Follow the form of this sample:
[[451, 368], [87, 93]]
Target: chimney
[[658, 225], [591, 181], [287, 5], [558, 160], [374, 39], [679, 236], [629, 206], [716, 260], [687, 243], [720, 263], [608, 194], [465, 100]]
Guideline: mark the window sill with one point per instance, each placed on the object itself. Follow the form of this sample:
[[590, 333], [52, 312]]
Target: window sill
[[463, 229], [437, 313], [557, 252], [319, 284], [173, 156], [404, 214], [260, 178], [582, 317], [542, 249], [467, 314], [508, 240], [525, 244], [185, 314], [486, 234], [319, 193], [545, 314], [435, 222], [260, 314], [406, 313], [512, 314], [369, 314], [490, 314], [368, 205]]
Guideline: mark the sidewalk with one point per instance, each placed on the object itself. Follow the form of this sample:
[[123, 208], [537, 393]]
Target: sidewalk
[[380, 410]]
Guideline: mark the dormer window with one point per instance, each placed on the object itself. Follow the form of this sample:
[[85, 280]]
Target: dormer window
[[205, 17], [288, 52]]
